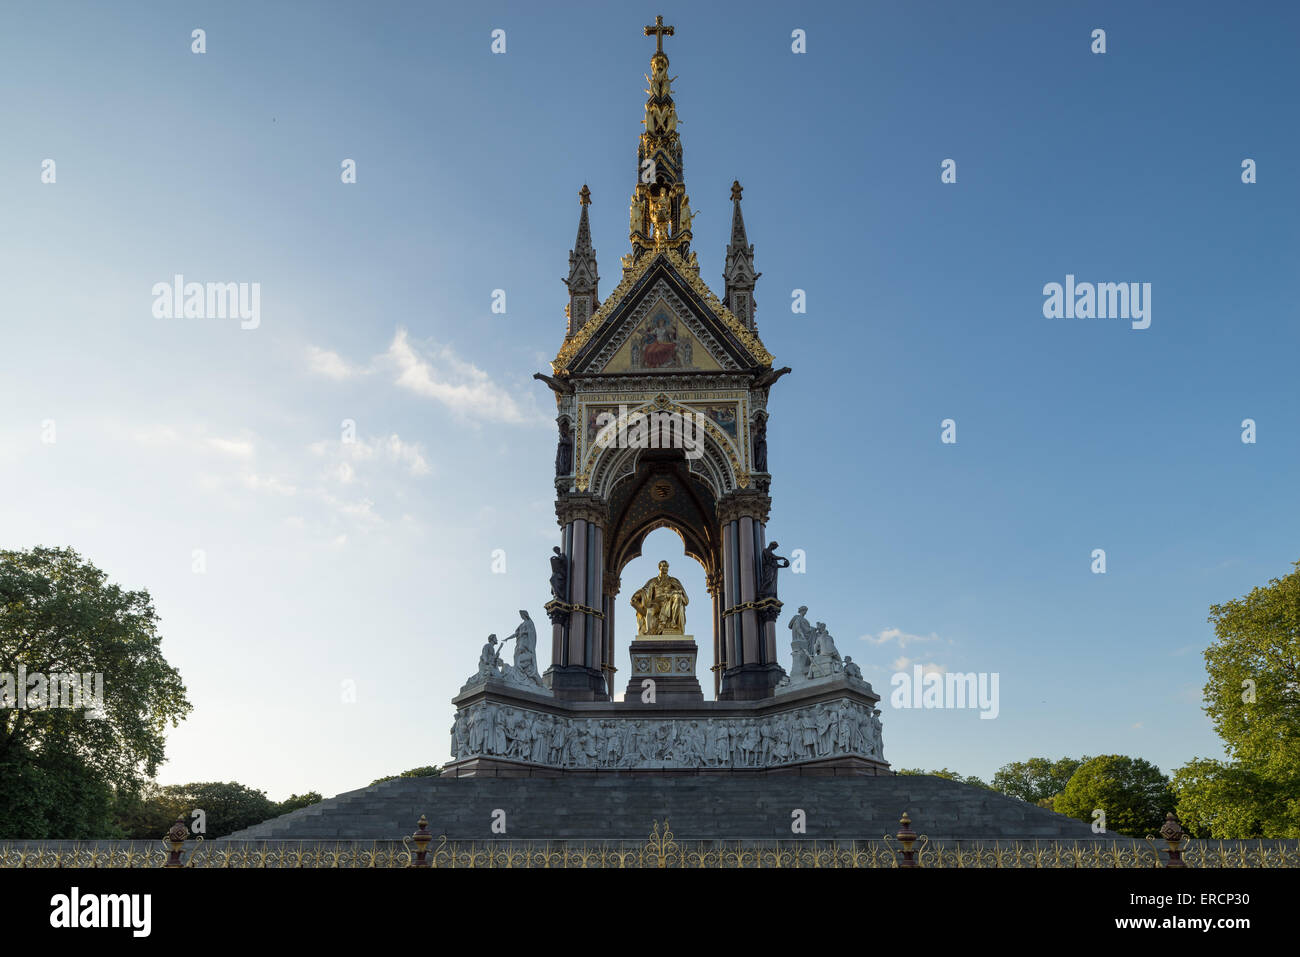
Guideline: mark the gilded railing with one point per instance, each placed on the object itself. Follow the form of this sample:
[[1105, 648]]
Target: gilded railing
[[661, 850]]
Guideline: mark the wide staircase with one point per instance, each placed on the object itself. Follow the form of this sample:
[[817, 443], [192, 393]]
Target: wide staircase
[[616, 806]]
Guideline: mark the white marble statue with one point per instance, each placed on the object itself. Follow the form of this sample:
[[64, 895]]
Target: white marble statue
[[523, 673], [800, 646], [489, 660]]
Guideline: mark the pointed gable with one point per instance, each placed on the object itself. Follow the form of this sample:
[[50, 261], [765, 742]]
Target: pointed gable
[[662, 318]]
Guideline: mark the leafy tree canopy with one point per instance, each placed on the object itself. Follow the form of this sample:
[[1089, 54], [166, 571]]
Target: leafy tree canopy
[[948, 775], [429, 771], [1037, 780], [1133, 793], [60, 616]]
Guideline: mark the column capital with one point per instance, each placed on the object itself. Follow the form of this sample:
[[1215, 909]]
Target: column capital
[[744, 503], [581, 505]]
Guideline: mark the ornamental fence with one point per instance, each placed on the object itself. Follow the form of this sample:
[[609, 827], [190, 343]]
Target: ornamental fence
[[422, 849]]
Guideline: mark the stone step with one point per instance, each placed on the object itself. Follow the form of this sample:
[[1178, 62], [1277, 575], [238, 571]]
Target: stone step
[[624, 807]]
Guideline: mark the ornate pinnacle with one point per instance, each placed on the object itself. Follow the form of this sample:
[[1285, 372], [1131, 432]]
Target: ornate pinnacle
[[660, 214], [736, 190], [584, 195]]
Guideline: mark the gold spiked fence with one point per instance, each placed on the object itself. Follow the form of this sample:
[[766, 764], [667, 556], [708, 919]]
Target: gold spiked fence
[[661, 849]]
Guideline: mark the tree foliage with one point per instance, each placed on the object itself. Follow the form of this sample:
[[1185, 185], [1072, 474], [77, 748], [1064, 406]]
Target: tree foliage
[[295, 801], [1224, 800], [948, 775], [1133, 793], [1253, 697], [60, 615], [1037, 780], [428, 771], [226, 807]]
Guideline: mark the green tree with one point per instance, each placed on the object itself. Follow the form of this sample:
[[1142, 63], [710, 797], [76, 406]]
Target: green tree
[[226, 807], [1224, 800], [59, 615], [948, 775], [429, 771], [1133, 793], [54, 794], [1253, 697], [295, 801], [1037, 780]]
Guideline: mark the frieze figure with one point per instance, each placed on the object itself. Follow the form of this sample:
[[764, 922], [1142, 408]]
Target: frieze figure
[[811, 732]]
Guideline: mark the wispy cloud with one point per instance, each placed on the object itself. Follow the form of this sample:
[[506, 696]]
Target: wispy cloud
[[897, 634], [438, 373], [240, 448], [390, 448], [331, 365], [927, 667], [268, 483], [432, 371]]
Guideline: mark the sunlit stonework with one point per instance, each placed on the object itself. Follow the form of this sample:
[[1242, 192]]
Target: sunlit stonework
[[663, 348]]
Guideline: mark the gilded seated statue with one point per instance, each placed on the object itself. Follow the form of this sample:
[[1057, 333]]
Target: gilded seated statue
[[660, 605]]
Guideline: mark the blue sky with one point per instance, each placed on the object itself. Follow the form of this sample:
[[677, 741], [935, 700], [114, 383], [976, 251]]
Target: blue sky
[[371, 563]]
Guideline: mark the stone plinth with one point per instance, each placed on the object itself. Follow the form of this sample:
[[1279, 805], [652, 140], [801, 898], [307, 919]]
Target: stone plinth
[[668, 661]]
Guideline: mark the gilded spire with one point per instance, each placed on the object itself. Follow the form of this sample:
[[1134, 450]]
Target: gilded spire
[[660, 215], [583, 278]]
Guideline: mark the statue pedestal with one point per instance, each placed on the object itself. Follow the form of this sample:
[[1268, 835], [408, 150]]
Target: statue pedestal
[[668, 661]]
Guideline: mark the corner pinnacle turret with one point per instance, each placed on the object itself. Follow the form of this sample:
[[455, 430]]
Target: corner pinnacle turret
[[583, 277], [738, 272]]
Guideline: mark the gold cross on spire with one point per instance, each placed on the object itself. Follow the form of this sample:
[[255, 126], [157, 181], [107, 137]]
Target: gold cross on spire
[[659, 31]]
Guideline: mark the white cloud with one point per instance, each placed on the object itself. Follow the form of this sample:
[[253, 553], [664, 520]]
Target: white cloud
[[361, 511], [435, 372], [442, 376], [156, 435], [897, 634], [269, 483], [330, 364], [927, 667], [390, 448], [408, 454], [237, 447]]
